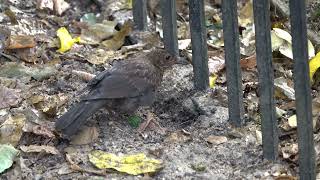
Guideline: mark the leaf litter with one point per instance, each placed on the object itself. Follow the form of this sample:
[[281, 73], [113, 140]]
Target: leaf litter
[[45, 83]]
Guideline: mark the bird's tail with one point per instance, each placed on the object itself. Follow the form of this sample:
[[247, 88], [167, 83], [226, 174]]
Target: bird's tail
[[70, 122]]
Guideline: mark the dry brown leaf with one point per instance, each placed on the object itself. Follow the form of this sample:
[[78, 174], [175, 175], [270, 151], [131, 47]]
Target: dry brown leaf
[[27, 54], [248, 62], [216, 139], [118, 39], [48, 104], [8, 97], [20, 41], [101, 56], [11, 129], [39, 148], [177, 137], [44, 131]]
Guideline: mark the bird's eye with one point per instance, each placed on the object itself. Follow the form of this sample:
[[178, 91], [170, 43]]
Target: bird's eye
[[168, 57]]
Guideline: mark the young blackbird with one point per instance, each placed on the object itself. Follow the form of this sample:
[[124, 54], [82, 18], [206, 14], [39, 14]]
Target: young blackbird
[[123, 88]]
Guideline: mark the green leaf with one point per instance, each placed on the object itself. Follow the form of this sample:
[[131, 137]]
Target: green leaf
[[134, 121], [7, 154]]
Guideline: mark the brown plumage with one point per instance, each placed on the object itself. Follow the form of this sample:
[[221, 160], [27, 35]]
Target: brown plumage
[[123, 88]]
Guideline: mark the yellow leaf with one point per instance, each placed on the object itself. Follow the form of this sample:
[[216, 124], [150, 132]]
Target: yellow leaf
[[66, 41], [131, 164], [129, 4], [246, 14], [212, 80], [314, 64]]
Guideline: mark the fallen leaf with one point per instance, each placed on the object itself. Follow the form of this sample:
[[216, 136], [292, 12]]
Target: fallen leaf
[[39, 148], [246, 14], [43, 131], [212, 80], [276, 41], [118, 39], [7, 155], [177, 137], [11, 129], [66, 41], [248, 62], [134, 121], [132, 164], [18, 70], [259, 137], [60, 6], [215, 64], [48, 104], [280, 112], [282, 87], [216, 139], [12, 16], [292, 121], [45, 4], [98, 32], [100, 56], [26, 54], [86, 135], [285, 46], [75, 167], [314, 65], [200, 167], [42, 72], [20, 41], [8, 97]]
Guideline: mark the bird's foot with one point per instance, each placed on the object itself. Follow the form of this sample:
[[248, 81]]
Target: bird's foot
[[151, 121]]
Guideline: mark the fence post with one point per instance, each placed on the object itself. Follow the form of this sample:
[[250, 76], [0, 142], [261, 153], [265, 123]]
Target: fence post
[[265, 69], [169, 26], [302, 89], [199, 44], [139, 12], [232, 58]]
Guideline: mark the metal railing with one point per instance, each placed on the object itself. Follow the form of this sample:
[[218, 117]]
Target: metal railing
[[264, 64]]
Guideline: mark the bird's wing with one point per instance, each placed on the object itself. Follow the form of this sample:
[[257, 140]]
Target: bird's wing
[[94, 81], [119, 86]]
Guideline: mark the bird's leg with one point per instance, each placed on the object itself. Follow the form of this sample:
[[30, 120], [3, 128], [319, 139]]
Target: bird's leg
[[151, 120]]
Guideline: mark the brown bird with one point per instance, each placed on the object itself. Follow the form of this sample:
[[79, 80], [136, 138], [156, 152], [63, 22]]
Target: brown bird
[[123, 88]]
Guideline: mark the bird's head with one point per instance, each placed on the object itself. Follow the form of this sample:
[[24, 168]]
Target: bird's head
[[162, 58]]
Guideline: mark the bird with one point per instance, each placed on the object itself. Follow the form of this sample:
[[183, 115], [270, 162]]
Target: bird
[[123, 88]]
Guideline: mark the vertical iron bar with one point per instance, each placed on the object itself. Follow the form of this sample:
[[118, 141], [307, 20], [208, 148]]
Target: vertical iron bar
[[139, 12], [302, 89], [232, 57], [265, 69], [169, 26], [199, 44]]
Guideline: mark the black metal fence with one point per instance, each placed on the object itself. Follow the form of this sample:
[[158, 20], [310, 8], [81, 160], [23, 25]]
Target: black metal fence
[[233, 71]]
